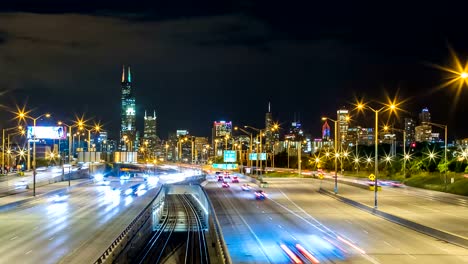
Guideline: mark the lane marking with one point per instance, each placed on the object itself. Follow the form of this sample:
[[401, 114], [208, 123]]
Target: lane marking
[[13, 238], [369, 258], [261, 246], [27, 253], [52, 238]]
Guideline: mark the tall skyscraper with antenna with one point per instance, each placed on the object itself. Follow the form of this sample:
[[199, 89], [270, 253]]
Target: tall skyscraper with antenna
[[269, 134], [127, 113]]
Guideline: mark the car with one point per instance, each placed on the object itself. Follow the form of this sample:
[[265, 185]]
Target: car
[[396, 184], [218, 172], [260, 195], [220, 178], [235, 179], [225, 185], [245, 187]]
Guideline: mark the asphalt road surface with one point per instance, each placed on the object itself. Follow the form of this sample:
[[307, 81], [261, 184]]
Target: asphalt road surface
[[333, 232]]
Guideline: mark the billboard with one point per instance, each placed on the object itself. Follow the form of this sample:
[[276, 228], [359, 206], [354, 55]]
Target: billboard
[[47, 132], [253, 156], [230, 156], [222, 128]]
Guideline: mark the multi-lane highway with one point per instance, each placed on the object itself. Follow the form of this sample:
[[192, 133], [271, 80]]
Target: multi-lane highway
[[77, 226], [295, 213], [82, 222], [446, 212]]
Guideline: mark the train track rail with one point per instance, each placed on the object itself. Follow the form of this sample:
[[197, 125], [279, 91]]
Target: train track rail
[[168, 240]]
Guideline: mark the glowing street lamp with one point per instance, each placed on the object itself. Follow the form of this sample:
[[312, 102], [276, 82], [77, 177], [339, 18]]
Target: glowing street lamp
[[337, 155], [23, 115], [392, 106]]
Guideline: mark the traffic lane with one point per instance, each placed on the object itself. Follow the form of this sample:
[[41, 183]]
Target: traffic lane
[[50, 230], [272, 226], [380, 239], [291, 227], [240, 239], [444, 216], [418, 192]]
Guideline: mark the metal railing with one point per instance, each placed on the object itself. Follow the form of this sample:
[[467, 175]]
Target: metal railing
[[127, 234]]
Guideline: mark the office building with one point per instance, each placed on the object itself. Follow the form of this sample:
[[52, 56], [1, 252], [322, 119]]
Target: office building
[[343, 123], [423, 133], [424, 116], [149, 132], [127, 114], [219, 131], [325, 131], [410, 126]]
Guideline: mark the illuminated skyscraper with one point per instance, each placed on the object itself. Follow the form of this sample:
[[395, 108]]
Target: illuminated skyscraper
[[343, 123], [269, 134], [149, 133], [326, 131], [424, 116], [127, 114]]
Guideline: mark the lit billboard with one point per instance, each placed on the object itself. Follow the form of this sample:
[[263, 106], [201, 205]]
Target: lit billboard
[[222, 128], [230, 156], [47, 132], [253, 156]]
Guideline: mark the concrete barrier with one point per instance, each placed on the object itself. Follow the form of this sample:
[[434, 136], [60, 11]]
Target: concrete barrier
[[121, 241], [445, 236], [222, 253]]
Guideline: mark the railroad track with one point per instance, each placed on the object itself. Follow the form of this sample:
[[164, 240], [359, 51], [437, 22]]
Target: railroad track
[[169, 240]]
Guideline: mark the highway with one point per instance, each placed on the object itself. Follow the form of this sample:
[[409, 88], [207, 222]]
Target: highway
[[76, 227], [446, 212], [295, 212]]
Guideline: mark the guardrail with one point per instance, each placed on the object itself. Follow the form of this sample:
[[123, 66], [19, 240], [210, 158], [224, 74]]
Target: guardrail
[[127, 235], [214, 227]]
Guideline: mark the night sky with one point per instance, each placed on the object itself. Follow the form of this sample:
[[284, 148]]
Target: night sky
[[199, 61]]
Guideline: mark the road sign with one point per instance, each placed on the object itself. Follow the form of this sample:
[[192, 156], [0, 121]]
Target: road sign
[[320, 175], [372, 177]]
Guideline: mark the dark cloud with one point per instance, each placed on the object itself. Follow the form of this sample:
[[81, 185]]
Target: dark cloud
[[198, 61]]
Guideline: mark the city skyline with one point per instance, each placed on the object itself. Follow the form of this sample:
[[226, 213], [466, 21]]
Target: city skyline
[[176, 70]]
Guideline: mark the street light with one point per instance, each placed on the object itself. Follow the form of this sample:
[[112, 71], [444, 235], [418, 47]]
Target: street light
[[3, 145], [445, 149], [250, 144], [70, 147], [405, 156], [390, 107], [23, 116], [260, 131], [336, 150]]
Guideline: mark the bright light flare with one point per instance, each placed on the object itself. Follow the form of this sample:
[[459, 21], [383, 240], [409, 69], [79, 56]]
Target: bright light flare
[[290, 254], [351, 245], [456, 75], [432, 155], [307, 254], [98, 177]]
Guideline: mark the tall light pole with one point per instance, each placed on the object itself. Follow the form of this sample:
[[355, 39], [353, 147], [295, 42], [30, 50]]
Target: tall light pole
[[405, 156], [250, 144], [445, 149], [23, 115], [260, 131], [60, 123], [3, 146], [391, 107], [335, 124]]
